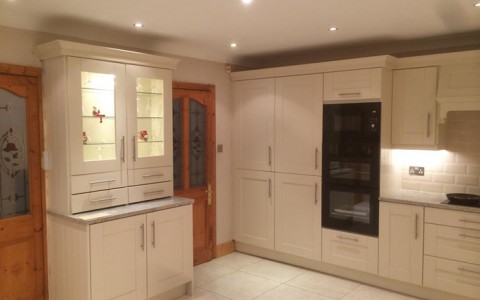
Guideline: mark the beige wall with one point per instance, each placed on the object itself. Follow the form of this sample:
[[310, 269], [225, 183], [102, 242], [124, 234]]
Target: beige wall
[[16, 48]]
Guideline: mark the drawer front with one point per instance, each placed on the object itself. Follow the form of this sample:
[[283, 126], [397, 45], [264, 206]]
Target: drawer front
[[453, 243], [351, 85], [452, 276], [150, 175], [97, 200], [350, 250], [98, 182], [452, 218], [150, 191]]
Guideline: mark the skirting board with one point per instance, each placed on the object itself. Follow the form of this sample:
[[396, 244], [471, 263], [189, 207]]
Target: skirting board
[[370, 279], [225, 248]]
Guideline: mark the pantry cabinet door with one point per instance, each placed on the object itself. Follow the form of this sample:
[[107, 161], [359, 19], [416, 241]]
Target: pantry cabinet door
[[298, 124], [254, 124], [118, 259]]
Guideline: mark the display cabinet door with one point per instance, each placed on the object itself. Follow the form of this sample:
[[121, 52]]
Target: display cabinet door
[[149, 98], [96, 113]]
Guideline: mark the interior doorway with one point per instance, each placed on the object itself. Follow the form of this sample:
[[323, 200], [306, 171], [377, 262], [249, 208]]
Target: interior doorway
[[194, 161]]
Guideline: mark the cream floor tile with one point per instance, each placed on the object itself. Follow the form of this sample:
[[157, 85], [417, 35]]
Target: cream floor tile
[[208, 272], [237, 260], [200, 294], [365, 292], [273, 270], [240, 285], [323, 284], [285, 292]]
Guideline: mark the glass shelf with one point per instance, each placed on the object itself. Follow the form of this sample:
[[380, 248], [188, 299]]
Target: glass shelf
[[149, 94], [98, 144], [149, 142], [139, 117], [97, 117], [96, 89]]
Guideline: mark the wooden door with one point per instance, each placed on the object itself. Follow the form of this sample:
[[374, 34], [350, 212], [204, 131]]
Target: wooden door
[[194, 160], [22, 206]]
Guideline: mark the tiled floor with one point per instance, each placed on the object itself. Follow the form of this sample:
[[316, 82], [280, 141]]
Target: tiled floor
[[240, 276]]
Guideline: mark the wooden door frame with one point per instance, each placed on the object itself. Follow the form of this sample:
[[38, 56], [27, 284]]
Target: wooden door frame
[[33, 75], [211, 155]]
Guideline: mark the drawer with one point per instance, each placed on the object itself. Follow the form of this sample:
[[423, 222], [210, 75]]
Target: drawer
[[452, 218], [97, 200], [150, 191], [452, 276], [349, 250], [353, 85], [98, 182], [453, 243], [150, 175]]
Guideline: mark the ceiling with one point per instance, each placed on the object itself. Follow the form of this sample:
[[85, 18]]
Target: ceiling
[[268, 32]]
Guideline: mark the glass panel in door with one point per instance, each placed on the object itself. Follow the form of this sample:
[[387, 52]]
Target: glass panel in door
[[14, 182], [98, 116], [198, 154]]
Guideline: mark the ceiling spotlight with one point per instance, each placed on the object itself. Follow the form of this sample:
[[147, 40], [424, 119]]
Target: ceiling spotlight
[[247, 1], [477, 4], [333, 28], [233, 45], [138, 25]]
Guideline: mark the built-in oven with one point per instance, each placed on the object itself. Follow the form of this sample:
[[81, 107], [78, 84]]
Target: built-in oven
[[351, 167]]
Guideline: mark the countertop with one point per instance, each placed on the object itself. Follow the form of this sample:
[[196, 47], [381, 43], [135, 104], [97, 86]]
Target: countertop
[[425, 199], [113, 213]]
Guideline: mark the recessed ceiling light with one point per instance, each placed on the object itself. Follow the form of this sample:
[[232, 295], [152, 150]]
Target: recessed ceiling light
[[138, 25], [333, 28], [233, 45], [247, 1], [477, 4]]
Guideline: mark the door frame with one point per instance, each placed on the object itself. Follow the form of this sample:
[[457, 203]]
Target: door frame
[[37, 210], [211, 155]]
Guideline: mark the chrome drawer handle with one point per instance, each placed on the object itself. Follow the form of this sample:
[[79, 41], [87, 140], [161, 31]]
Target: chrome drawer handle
[[143, 237], [153, 234], [270, 155], [134, 154], [468, 221], [347, 238], [350, 94], [316, 192], [428, 125], [153, 192], [103, 200], [153, 175], [316, 158], [469, 236], [102, 181], [123, 149], [416, 226], [468, 271]]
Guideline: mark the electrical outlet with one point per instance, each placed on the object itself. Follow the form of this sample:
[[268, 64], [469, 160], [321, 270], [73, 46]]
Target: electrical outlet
[[416, 171]]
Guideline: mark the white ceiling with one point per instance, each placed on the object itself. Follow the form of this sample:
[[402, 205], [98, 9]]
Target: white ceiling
[[204, 28]]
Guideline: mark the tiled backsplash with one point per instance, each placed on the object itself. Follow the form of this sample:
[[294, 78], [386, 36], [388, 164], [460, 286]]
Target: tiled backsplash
[[456, 170]]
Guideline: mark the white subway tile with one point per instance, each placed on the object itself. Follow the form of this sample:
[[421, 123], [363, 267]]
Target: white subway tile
[[455, 169], [468, 158], [473, 170], [411, 185], [473, 190], [448, 188], [450, 157], [432, 187], [444, 178], [467, 180]]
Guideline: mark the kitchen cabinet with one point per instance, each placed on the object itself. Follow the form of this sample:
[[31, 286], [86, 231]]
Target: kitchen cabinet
[[353, 251], [401, 242], [254, 208], [460, 80], [363, 84], [254, 124], [298, 225], [136, 257], [298, 124], [108, 126], [414, 115]]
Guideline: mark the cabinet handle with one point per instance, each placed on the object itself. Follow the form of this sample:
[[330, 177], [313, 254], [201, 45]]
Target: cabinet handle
[[416, 226], [153, 192], [270, 155], [103, 200], [152, 175], [350, 94], [468, 271], [143, 237], [468, 221], [270, 188], [102, 181], [347, 238], [123, 149], [153, 234], [316, 158], [428, 125], [469, 236], [316, 191], [134, 149]]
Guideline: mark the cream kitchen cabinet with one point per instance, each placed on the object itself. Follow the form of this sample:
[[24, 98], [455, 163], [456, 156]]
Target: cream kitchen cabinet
[[298, 124], [108, 125], [414, 117], [254, 208], [254, 124], [401, 242], [364, 84], [137, 257], [298, 225]]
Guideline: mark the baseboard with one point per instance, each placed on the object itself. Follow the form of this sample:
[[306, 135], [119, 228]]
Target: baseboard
[[225, 248]]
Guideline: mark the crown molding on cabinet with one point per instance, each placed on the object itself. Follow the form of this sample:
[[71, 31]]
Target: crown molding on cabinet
[[66, 48], [437, 59]]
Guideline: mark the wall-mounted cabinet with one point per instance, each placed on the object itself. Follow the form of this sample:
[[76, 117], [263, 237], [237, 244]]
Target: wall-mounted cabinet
[[365, 84]]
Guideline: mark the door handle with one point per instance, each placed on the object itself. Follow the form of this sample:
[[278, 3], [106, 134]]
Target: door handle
[[153, 234], [428, 125], [143, 237], [270, 155], [209, 192], [416, 225], [123, 149], [316, 158], [316, 192]]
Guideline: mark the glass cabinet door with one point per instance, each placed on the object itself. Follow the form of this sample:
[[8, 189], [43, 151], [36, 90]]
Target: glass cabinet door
[[149, 114], [97, 116]]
